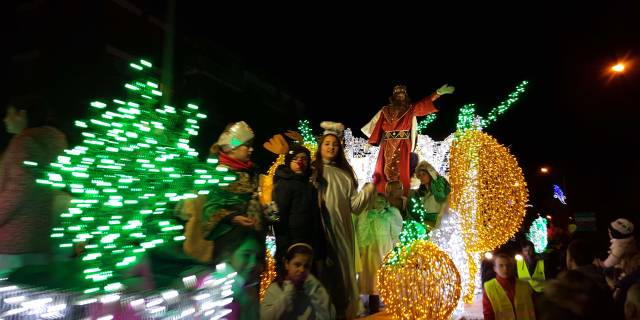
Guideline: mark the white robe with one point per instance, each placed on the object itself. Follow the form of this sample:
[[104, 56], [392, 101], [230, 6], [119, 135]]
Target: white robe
[[341, 198]]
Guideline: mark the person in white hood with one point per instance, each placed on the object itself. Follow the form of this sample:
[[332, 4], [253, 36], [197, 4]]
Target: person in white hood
[[623, 243]]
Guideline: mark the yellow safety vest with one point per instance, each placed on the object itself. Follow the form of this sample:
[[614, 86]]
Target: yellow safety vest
[[537, 281], [501, 305]]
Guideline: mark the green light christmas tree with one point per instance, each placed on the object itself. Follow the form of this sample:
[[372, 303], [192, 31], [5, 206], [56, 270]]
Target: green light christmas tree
[[133, 166]]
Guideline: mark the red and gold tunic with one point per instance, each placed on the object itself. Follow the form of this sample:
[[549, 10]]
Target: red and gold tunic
[[392, 132]]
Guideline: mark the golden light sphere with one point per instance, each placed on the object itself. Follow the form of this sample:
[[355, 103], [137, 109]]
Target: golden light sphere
[[488, 190], [423, 284]]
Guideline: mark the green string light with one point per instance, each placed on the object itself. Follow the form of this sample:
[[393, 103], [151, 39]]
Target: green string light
[[424, 123], [504, 105], [414, 228], [467, 116], [304, 127], [133, 166]]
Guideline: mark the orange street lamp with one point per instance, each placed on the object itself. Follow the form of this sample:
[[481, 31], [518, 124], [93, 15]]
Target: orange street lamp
[[618, 68]]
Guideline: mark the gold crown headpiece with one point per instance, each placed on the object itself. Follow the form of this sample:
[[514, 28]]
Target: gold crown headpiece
[[399, 88]]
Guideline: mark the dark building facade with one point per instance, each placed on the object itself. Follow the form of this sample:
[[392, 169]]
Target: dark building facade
[[72, 52]]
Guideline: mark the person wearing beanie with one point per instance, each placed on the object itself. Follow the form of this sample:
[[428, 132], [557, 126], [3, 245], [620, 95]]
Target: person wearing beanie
[[623, 243], [293, 193]]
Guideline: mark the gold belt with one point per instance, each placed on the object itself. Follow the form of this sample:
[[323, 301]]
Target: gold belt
[[399, 134]]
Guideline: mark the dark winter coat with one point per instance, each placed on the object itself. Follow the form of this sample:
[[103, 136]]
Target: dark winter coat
[[298, 211]]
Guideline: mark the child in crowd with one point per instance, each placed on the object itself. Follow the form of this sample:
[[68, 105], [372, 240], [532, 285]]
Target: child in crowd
[[297, 294], [623, 244]]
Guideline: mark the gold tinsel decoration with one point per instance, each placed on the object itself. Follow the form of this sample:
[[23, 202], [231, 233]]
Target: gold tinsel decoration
[[473, 264], [268, 275], [488, 190], [266, 182], [423, 284], [313, 147]]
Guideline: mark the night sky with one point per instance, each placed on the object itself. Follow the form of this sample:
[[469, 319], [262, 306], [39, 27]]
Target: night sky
[[342, 63], [575, 118]]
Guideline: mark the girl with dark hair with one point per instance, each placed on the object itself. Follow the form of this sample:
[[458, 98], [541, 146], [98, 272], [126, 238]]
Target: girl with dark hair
[[241, 250], [338, 199], [296, 294]]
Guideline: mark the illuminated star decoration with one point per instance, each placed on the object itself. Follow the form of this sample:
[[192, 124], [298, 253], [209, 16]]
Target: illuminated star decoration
[[558, 194]]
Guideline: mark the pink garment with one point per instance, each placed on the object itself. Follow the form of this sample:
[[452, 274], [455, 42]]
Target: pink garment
[[25, 207]]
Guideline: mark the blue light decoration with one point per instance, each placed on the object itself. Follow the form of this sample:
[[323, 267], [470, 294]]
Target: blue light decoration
[[558, 194]]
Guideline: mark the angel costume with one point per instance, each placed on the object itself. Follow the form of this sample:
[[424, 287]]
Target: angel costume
[[339, 198]]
